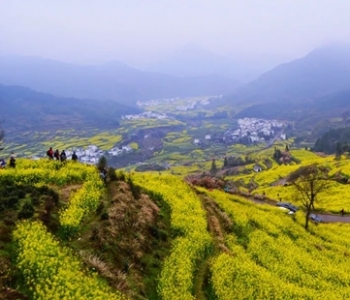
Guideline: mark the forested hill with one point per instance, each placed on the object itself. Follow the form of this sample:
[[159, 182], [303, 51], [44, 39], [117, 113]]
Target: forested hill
[[334, 141], [23, 108]]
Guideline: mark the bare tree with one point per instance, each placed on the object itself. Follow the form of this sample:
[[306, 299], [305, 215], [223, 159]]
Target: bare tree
[[309, 182]]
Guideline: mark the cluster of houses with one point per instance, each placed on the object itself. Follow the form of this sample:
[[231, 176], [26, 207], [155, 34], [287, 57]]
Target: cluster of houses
[[91, 155], [185, 107], [120, 151], [198, 141], [145, 115], [257, 130], [193, 103], [155, 102]]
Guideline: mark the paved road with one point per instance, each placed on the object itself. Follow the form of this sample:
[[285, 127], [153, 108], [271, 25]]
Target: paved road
[[326, 217]]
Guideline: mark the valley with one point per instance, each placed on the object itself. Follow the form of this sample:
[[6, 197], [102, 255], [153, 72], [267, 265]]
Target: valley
[[174, 150], [169, 132]]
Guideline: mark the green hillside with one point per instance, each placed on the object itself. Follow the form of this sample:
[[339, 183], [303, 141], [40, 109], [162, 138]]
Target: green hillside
[[66, 235]]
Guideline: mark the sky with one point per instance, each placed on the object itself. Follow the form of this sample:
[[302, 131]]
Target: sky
[[140, 32]]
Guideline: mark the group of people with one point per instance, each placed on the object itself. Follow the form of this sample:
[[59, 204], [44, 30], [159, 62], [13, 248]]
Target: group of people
[[60, 156], [12, 162]]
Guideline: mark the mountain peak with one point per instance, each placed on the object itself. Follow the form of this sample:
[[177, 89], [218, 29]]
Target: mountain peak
[[323, 71]]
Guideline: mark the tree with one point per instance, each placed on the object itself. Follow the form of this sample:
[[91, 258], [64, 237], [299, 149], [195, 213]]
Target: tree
[[102, 163], [213, 168], [338, 150], [225, 162], [309, 182]]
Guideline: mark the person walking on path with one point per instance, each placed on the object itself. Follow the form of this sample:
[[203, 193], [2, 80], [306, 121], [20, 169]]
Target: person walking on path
[[49, 153], [342, 212]]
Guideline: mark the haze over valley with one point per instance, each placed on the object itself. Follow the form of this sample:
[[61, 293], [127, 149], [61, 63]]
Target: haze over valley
[[174, 149]]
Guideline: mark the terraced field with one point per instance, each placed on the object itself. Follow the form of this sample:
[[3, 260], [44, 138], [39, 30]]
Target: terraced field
[[221, 246]]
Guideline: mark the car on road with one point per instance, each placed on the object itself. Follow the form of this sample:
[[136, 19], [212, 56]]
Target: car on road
[[287, 205], [315, 218]]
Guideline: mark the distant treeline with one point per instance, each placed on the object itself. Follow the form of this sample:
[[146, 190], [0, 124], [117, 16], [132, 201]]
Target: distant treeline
[[334, 141]]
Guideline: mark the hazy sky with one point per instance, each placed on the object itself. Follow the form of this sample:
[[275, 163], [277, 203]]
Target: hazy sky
[[138, 31]]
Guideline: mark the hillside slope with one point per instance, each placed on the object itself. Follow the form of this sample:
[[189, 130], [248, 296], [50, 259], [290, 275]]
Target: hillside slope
[[25, 109], [153, 236]]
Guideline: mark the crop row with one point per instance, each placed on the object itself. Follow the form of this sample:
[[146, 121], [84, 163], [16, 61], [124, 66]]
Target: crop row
[[273, 257], [46, 172], [50, 271], [189, 220], [81, 203]]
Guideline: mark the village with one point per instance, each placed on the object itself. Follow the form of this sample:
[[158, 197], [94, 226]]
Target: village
[[249, 131], [253, 130], [92, 154], [186, 104], [146, 115]]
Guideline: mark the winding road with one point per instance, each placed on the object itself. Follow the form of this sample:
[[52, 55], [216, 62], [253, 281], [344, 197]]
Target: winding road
[[325, 217]]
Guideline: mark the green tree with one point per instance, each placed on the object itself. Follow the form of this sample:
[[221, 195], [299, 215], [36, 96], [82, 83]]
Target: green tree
[[308, 182], [213, 168], [338, 150], [225, 162], [102, 163]]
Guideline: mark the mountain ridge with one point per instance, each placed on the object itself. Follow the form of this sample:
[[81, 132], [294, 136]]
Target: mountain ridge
[[25, 109], [110, 81], [323, 71]]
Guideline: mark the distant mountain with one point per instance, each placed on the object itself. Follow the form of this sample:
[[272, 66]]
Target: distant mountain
[[323, 71], [194, 60], [331, 105], [111, 81], [25, 110]]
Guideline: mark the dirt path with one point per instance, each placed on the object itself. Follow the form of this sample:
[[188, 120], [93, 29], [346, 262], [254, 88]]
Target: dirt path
[[219, 224], [67, 190]]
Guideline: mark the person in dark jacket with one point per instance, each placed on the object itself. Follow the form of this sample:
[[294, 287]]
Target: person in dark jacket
[[63, 156], [57, 155], [74, 156], [12, 163]]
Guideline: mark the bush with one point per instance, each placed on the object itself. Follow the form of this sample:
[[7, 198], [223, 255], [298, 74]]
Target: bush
[[111, 174], [121, 176], [27, 211]]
